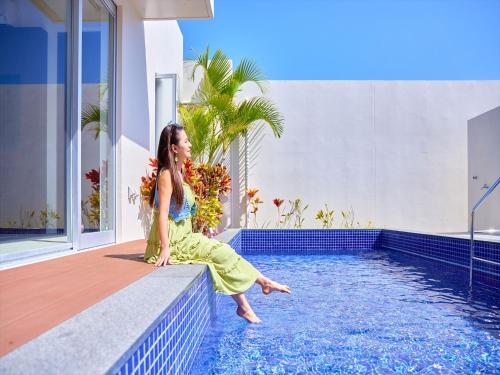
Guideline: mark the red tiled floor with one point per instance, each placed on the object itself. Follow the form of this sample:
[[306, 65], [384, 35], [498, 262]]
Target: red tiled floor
[[37, 297]]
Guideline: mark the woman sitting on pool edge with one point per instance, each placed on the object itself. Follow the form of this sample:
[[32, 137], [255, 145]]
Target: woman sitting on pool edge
[[172, 241]]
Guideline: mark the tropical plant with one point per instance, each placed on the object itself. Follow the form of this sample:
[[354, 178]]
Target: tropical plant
[[209, 183], [215, 117], [348, 218], [298, 211], [91, 208], [325, 217], [286, 216], [96, 115], [148, 181], [278, 202], [48, 218], [294, 213], [254, 201], [10, 224], [26, 217]]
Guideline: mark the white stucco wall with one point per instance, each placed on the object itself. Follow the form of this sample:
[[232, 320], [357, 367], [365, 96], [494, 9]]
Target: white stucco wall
[[484, 168], [143, 49], [394, 151], [164, 55]]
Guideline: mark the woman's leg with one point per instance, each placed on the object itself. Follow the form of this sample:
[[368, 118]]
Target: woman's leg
[[269, 285], [244, 309]]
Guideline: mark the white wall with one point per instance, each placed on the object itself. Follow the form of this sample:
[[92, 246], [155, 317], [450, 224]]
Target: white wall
[[143, 49], [484, 167], [164, 55], [189, 86], [396, 151]]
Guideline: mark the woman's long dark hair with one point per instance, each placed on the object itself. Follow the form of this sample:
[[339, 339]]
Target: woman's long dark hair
[[166, 160]]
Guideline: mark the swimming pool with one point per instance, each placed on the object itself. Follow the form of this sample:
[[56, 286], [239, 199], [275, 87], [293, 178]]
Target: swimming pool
[[354, 312]]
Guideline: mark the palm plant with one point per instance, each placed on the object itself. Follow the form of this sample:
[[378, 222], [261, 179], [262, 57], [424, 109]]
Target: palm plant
[[215, 117], [97, 114]]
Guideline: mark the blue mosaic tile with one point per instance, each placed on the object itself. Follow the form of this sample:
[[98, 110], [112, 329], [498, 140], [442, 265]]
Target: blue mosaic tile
[[450, 250], [171, 346], [307, 241], [235, 242]]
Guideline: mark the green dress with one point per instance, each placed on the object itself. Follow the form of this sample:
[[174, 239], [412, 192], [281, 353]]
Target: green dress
[[231, 273]]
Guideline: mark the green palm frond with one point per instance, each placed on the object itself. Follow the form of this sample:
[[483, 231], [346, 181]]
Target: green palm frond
[[201, 61], [217, 70], [197, 122], [263, 109], [218, 116], [223, 105], [248, 113], [246, 71], [230, 133], [204, 92], [93, 114]]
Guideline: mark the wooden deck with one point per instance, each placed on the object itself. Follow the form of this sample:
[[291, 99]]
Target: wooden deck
[[36, 297]]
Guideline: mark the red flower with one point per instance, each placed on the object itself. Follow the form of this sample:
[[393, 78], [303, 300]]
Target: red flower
[[153, 162], [94, 177], [251, 193], [278, 202]]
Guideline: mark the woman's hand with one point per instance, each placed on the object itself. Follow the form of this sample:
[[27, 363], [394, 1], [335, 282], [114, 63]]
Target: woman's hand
[[164, 258]]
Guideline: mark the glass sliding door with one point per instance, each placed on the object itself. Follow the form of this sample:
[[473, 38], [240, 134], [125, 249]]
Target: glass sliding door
[[34, 193], [97, 138], [57, 159]]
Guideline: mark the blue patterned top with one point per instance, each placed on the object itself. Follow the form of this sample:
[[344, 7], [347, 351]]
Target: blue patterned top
[[187, 209]]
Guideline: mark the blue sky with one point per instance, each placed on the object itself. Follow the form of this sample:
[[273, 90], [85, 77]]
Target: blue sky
[[355, 39]]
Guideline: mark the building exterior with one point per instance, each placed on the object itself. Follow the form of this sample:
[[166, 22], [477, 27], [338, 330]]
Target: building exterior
[[81, 83]]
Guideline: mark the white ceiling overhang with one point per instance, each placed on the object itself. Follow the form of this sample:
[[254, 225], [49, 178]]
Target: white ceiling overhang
[[148, 9], [173, 9]]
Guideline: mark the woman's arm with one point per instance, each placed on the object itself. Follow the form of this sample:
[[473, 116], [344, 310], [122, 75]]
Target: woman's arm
[[164, 194]]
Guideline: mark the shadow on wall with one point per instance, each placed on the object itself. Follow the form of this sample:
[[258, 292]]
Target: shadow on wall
[[145, 217]]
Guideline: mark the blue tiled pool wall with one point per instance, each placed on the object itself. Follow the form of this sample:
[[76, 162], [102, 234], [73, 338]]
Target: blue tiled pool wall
[[235, 242], [171, 344], [306, 241], [450, 250], [454, 251]]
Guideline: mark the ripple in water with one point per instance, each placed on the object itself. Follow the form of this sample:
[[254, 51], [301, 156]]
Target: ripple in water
[[372, 311]]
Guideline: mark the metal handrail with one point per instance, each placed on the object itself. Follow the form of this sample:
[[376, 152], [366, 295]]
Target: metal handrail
[[476, 206]]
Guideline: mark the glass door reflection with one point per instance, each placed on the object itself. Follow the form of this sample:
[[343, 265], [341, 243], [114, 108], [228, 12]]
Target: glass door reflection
[[33, 123], [97, 148]]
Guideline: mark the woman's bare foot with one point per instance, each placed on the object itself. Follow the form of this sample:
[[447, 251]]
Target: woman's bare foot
[[272, 286], [248, 315]]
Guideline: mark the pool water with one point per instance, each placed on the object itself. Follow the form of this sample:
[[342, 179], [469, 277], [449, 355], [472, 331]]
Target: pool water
[[357, 312]]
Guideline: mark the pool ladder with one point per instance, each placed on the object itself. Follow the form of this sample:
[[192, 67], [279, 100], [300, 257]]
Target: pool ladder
[[472, 257]]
